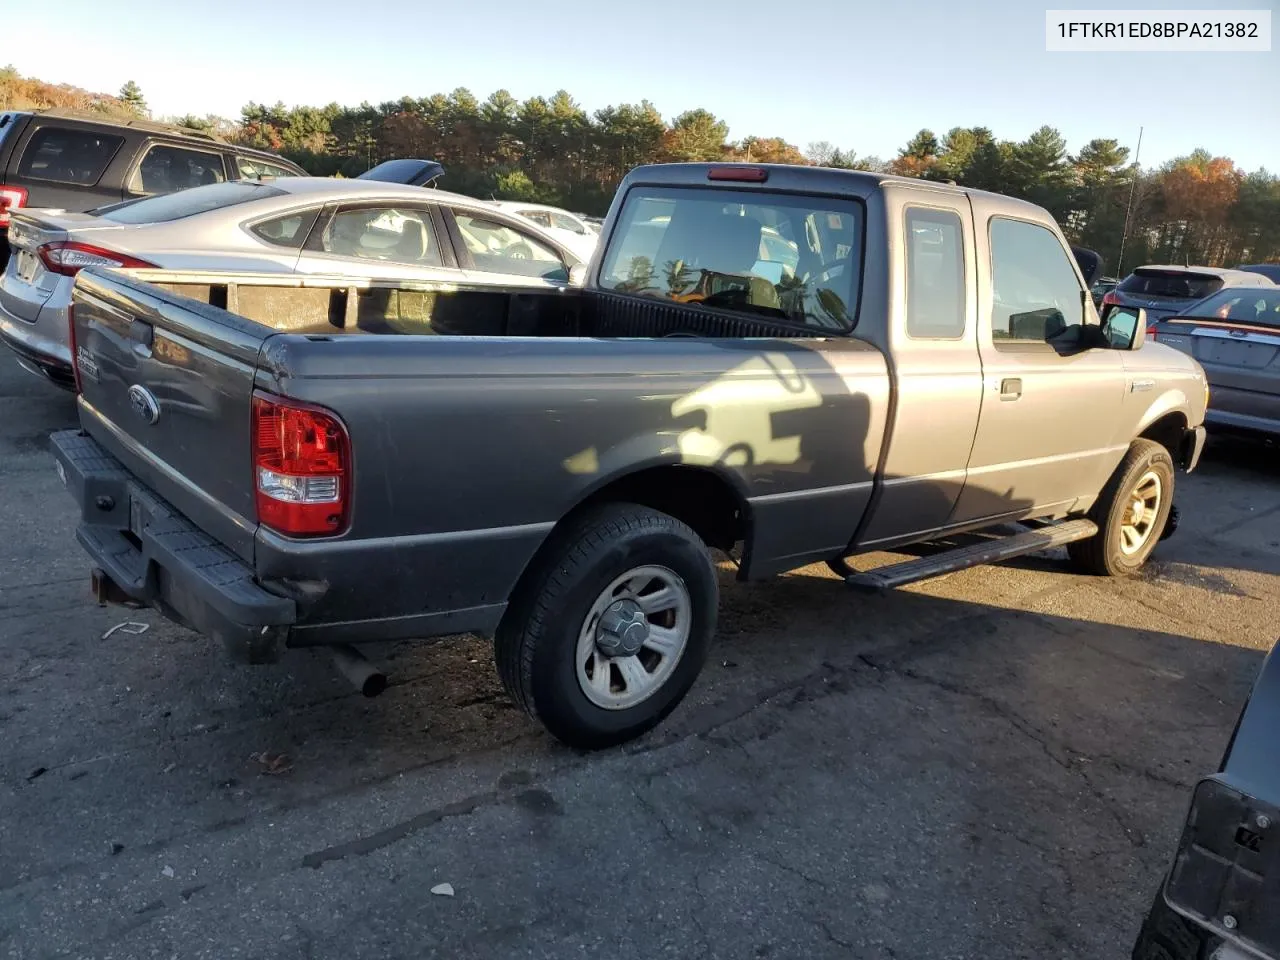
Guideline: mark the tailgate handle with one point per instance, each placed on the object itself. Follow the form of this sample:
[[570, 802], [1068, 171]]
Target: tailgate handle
[[143, 335]]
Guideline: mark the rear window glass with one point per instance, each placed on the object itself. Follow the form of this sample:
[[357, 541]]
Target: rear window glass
[[792, 259], [68, 156], [1172, 286], [251, 168], [1242, 305], [187, 203], [167, 168]]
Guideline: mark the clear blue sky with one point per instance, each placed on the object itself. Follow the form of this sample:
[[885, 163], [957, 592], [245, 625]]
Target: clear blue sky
[[862, 78]]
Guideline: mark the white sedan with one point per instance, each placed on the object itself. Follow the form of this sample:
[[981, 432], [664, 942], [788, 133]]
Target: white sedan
[[312, 225], [571, 230]]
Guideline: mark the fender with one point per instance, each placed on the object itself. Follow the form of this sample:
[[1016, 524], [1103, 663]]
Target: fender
[[1172, 400]]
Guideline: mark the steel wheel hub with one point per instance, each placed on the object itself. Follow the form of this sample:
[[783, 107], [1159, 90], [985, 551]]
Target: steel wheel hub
[[633, 637], [623, 629]]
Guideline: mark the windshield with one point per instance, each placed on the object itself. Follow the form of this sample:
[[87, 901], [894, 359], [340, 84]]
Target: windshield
[[1170, 284], [788, 258], [186, 203], [1241, 305]]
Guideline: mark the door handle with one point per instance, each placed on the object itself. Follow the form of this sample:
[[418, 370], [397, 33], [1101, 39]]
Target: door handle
[[1010, 388]]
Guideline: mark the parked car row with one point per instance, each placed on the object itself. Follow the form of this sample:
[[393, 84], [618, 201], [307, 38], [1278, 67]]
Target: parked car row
[[64, 160], [1229, 320]]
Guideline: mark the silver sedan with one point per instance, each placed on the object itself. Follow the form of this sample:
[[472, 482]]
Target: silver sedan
[[312, 225]]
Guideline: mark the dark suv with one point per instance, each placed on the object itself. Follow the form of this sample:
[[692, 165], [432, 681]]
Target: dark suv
[[75, 162]]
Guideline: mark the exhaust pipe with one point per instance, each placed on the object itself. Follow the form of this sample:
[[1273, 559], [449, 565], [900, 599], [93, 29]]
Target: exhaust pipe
[[362, 674]]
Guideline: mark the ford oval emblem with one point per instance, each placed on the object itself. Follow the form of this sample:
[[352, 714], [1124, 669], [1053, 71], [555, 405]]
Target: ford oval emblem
[[144, 404]]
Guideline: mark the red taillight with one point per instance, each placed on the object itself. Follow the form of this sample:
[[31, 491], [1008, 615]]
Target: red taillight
[[71, 340], [1110, 298], [67, 257], [739, 174], [11, 198], [301, 467], [1151, 331]]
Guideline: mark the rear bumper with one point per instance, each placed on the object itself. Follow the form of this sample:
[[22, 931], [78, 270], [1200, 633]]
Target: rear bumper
[[36, 351], [155, 557]]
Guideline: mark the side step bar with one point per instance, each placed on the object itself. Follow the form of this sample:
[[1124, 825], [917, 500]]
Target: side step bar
[[1016, 545]]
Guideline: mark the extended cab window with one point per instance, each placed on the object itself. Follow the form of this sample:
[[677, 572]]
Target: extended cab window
[[68, 156], [787, 258], [1036, 294], [935, 274]]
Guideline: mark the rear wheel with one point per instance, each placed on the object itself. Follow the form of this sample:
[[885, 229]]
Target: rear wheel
[[1131, 513], [611, 628]]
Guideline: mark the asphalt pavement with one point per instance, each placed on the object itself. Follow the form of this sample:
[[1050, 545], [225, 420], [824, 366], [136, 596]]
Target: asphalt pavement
[[992, 765]]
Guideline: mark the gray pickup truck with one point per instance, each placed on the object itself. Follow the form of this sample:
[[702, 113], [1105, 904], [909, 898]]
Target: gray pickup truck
[[787, 364]]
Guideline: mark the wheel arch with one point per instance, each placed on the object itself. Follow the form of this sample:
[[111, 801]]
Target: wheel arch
[[711, 501]]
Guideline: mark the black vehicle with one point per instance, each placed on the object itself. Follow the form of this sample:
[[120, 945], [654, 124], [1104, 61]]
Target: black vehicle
[[76, 162], [413, 173], [1269, 270], [1221, 896]]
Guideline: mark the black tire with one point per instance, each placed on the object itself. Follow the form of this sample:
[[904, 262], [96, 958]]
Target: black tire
[[1167, 935], [1101, 555], [536, 644]]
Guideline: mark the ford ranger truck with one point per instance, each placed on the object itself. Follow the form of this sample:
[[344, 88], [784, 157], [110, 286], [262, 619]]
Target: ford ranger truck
[[787, 364]]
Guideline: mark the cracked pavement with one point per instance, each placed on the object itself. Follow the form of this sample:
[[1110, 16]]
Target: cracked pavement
[[994, 764]]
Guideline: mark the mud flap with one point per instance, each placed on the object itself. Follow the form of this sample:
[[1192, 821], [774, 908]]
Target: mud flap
[[1226, 874]]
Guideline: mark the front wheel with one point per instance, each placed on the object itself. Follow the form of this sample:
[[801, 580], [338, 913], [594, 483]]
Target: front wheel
[[612, 627], [1131, 513]]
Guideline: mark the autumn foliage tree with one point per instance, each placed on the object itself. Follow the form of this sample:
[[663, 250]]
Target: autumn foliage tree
[[1198, 208]]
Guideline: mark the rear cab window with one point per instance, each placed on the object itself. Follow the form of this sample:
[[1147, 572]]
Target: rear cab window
[[793, 259], [1170, 284], [187, 203], [67, 155]]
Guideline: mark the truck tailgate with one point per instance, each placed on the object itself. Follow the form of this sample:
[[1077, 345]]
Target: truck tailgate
[[166, 387]]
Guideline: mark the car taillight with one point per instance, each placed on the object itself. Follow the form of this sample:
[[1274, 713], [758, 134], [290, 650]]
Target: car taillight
[[1151, 331], [67, 257], [1110, 298], [11, 198], [71, 341], [301, 467]]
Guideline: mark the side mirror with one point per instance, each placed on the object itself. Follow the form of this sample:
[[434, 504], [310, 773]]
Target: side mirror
[[1124, 328], [578, 275]]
